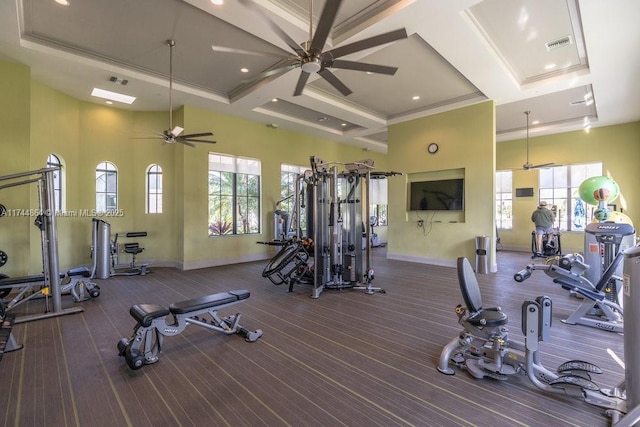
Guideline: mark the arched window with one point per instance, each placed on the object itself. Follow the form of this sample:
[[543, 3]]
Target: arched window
[[106, 187], [54, 161], [154, 189]]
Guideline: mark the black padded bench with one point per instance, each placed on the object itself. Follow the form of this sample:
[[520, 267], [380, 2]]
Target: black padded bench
[[154, 322]]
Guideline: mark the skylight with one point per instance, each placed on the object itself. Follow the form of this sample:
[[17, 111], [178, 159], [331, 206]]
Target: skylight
[[113, 96]]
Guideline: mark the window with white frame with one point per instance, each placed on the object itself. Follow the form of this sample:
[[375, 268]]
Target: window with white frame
[[379, 202], [54, 161], [154, 189], [234, 195], [289, 185], [559, 186], [106, 187], [504, 200]]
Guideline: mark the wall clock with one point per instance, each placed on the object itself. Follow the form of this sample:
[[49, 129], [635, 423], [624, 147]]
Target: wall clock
[[432, 148]]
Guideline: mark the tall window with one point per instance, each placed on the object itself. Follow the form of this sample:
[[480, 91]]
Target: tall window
[[504, 199], [559, 188], [106, 187], [234, 195], [53, 161], [154, 189], [378, 202], [288, 187]]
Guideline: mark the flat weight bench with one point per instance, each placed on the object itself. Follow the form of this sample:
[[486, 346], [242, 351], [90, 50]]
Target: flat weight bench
[[154, 322]]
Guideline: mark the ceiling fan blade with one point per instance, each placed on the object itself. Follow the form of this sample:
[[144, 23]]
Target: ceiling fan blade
[[284, 36], [361, 66], [195, 135], [543, 165], [334, 81], [224, 49], [272, 73], [366, 43], [197, 140], [302, 81], [325, 23]]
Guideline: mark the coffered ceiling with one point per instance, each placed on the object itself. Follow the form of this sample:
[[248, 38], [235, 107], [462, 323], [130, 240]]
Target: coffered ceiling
[[572, 63]]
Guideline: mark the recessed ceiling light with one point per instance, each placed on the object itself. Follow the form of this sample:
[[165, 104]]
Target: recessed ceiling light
[[244, 70], [343, 124], [535, 122], [217, 2], [113, 96], [550, 66], [369, 72], [63, 2], [415, 98], [108, 102], [274, 100]]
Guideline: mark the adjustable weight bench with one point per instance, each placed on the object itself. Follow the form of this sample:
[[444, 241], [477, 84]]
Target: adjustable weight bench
[[154, 322]]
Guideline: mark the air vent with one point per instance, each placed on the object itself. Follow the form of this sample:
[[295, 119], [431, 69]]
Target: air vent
[[118, 80], [554, 44]]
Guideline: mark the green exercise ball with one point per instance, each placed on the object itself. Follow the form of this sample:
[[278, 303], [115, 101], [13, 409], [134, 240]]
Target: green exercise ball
[[591, 189]]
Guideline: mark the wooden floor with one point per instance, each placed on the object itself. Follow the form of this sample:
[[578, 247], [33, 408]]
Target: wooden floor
[[346, 358]]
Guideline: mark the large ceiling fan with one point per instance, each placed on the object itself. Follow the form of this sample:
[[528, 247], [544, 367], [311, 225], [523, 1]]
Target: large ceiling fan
[[310, 57], [174, 133], [528, 166]]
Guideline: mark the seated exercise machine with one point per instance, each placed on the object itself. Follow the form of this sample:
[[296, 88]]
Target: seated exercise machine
[[132, 248], [600, 290], [154, 322], [601, 305], [550, 247], [105, 252], [483, 347]]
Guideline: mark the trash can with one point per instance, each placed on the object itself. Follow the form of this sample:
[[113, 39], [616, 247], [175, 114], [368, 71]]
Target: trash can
[[482, 254]]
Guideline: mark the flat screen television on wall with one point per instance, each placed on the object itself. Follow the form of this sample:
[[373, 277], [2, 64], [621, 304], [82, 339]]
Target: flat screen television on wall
[[441, 195]]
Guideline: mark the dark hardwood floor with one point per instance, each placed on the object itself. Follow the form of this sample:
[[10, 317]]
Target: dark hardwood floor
[[346, 358]]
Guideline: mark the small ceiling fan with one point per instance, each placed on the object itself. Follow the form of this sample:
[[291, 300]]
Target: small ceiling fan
[[528, 166], [174, 133], [309, 56]]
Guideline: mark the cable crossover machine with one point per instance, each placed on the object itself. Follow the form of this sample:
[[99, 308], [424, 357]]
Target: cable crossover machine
[[50, 282], [334, 249]]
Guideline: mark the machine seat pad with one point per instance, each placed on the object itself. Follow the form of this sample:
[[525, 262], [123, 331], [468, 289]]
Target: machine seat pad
[[488, 317], [79, 271], [209, 301], [145, 313]]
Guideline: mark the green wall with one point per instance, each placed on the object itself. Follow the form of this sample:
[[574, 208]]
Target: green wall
[[617, 147], [466, 138]]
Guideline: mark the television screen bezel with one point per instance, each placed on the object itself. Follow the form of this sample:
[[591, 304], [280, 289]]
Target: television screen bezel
[[423, 182]]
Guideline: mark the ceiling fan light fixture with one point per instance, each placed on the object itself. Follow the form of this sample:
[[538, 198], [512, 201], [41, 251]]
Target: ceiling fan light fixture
[[176, 131], [311, 66]]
